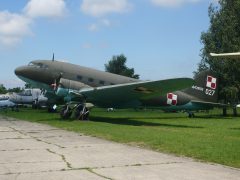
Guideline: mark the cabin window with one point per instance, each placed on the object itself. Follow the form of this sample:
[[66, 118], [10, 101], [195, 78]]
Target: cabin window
[[101, 82], [90, 79], [79, 77]]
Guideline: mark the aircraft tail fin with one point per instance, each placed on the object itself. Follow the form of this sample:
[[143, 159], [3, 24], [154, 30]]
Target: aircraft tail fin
[[205, 87]]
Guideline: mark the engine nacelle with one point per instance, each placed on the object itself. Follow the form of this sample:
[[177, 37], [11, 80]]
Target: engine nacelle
[[65, 85]]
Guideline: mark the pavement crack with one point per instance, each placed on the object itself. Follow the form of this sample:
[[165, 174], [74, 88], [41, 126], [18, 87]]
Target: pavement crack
[[13, 138], [47, 142], [33, 162], [3, 150], [62, 157], [102, 176], [18, 131], [136, 165], [26, 134]]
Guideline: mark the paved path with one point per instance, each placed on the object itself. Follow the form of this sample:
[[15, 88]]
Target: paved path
[[35, 151]]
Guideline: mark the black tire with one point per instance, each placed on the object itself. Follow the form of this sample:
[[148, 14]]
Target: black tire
[[66, 112]]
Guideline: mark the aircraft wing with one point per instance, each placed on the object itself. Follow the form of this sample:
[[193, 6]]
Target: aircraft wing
[[131, 94], [235, 55]]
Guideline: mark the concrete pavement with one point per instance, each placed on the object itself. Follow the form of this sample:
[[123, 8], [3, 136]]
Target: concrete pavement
[[36, 151]]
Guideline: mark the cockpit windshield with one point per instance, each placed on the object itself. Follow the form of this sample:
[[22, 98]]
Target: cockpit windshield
[[25, 93], [38, 65]]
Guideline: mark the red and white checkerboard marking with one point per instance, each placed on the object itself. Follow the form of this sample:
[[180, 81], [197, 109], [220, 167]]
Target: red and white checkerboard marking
[[211, 82], [172, 99]]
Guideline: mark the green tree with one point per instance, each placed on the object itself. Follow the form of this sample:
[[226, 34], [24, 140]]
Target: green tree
[[223, 36], [3, 90], [117, 65], [16, 89], [28, 86]]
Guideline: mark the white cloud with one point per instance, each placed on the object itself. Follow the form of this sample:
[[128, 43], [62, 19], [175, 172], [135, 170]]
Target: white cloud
[[106, 22], [45, 8], [98, 25], [13, 27], [99, 8], [87, 46], [172, 3], [93, 27]]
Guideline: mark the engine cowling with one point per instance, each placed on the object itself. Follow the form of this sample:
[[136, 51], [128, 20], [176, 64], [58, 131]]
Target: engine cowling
[[65, 85]]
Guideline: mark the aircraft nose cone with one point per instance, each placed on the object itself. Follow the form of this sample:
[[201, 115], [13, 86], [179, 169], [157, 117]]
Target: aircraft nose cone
[[20, 71]]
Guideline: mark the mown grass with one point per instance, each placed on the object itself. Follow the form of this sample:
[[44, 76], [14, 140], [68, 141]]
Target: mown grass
[[208, 137]]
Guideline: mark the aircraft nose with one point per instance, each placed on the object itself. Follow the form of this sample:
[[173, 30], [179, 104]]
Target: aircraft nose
[[31, 73], [20, 71]]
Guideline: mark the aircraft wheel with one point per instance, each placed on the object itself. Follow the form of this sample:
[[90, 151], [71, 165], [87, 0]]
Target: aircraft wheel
[[86, 115], [66, 112], [82, 115], [78, 114], [191, 115]]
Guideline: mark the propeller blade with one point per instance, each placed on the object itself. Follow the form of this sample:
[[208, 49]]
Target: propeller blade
[[56, 82]]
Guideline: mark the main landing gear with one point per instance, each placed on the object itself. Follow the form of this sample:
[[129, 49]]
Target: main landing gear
[[66, 112], [191, 114], [81, 111]]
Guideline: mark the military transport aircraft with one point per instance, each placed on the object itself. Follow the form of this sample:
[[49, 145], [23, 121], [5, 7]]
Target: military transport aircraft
[[71, 82]]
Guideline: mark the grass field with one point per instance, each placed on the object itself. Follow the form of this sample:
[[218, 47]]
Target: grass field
[[208, 137]]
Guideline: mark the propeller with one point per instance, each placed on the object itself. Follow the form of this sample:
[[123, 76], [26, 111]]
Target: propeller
[[56, 82]]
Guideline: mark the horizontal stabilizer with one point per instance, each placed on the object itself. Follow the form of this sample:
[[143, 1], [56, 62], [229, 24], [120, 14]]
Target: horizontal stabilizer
[[235, 55]]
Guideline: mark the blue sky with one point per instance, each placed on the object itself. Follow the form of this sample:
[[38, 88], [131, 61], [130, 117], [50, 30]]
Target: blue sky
[[160, 38]]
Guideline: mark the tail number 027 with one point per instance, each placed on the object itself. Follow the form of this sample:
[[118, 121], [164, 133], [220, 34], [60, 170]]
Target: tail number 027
[[209, 92]]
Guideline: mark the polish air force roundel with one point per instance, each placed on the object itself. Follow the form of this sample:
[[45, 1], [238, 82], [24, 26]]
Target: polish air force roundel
[[211, 82], [172, 99]]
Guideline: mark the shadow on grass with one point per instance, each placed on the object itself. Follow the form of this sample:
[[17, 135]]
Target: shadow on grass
[[134, 122], [54, 119], [215, 116], [237, 129]]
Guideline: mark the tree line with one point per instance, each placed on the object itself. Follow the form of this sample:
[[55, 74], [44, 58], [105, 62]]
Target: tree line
[[4, 90]]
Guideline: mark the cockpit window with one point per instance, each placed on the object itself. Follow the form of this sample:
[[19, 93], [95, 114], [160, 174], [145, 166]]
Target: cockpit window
[[30, 64], [25, 93], [38, 65], [28, 92]]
